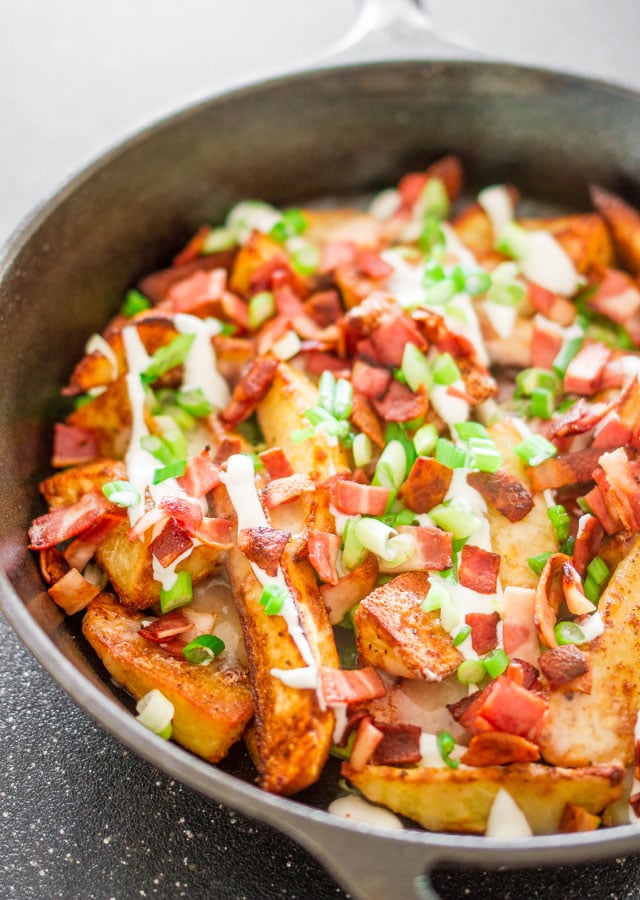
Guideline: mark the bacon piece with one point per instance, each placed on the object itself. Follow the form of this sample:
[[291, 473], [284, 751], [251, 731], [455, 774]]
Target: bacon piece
[[276, 463], [251, 388], [349, 589], [576, 818], [324, 307], [400, 404], [72, 592], [201, 475], [287, 302], [614, 433], [187, 513], [448, 169], [339, 686], [580, 418], [570, 468], [484, 631], [317, 362], [618, 298], [171, 543], [588, 540], [199, 294], [68, 521], [226, 448], [479, 569], [193, 248], [365, 499], [563, 664], [372, 264], [524, 673], [391, 336], [53, 565], [264, 546], [504, 491], [497, 748], [584, 372], [152, 519], [519, 634], [366, 420], [336, 253], [574, 596], [157, 285], [624, 222], [400, 745], [554, 307], [434, 549], [549, 595], [107, 523], [215, 532], [511, 708], [595, 501], [284, 490], [372, 381], [367, 739], [79, 553], [426, 485], [620, 487], [323, 553], [73, 446], [546, 342], [166, 627]]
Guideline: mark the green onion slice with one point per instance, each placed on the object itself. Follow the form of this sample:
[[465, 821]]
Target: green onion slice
[[569, 633], [444, 368], [362, 450], [415, 368], [168, 357], [262, 306], [155, 712], [598, 570], [471, 671], [122, 493], [174, 469], [457, 517], [446, 746], [134, 302], [273, 598], [424, 440], [537, 563], [449, 455], [496, 663], [353, 551], [203, 649], [343, 399], [194, 402], [180, 594], [391, 469], [535, 449], [559, 518], [461, 635]]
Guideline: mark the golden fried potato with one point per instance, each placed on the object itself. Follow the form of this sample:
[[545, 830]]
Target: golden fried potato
[[343, 224], [585, 238], [624, 221], [212, 703], [109, 415], [68, 486]]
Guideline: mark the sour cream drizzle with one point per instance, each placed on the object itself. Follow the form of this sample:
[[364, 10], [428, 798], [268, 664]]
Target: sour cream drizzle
[[506, 819], [353, 807], [201, 365]]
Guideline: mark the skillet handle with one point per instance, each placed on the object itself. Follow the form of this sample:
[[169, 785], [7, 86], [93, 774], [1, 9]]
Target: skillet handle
[[395, 29]]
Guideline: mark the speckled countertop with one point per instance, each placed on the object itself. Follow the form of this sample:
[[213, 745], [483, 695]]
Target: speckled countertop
[[80, 815]]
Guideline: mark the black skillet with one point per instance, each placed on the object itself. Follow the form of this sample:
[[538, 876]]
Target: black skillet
[[336, 130]]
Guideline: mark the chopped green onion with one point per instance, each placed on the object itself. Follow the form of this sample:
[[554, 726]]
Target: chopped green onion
[[568, 350], [513, 240], [305, 260], [218, 239], [592, 589], [559, 518], [415, 368], [180, 594], [262, 306], [444, 368], [467, 430], [433, 273], [461, 635], [168, 357], [155, 712], [449, 455], [528, 380], [535, 449], [542, 403], [173, 437], [175, 469], [353, 552], [273, 598], [194, 402], [485, 456], [398, 432], [292, 223], [471, 671], [537, 563], [155, 445], [456, 517], [343, 399], [317, 416], [404, 517], [568, 546], [435, 598], [434, 199], [327, 391], [431, 237], [446, 746], [569, 633], [374, 535], [477, 283], [424, 440], [362, 450], [598, 570], [203, 649], [134, 302], [122, 493], [344, 752], [505, 294], [399, 548], [496, 663], [391, 469], [82, 400], [298, 435]]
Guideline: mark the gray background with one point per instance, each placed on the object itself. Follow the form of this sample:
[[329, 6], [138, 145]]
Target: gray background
[[80, 816]]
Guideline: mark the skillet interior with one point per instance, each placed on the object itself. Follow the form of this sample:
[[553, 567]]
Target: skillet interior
[[335, 132]]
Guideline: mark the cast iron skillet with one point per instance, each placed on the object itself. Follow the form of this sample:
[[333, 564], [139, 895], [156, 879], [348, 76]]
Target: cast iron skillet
[[336, 130]]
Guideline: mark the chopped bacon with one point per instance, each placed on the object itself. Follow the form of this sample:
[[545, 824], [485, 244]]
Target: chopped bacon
[[324, 307], [226, 448], [588, 540], [364, 499], [336, 253], [372, 264], [194, 247], [171, 543], [617, 297], [465, 711], [79, 553], [283, 490], [107, 523], [367, 739], [595, 501], [372, 381], [264, 546], [519, 634], [339, 686], [563, 664], [497, 748], [323, 552], [350, 589], [508, 707], [68, 521], [524, 673], [53, 565], [150, 519], [201, 475], [620, 487], [186, 512], [251, 388], [391, 336], [166, 627], [546, 342], [584, 372], [400, 745], [72, 592], [198, 294], [366, 420], [484, 631], [549, 595], [577, 818], [215, 532], [434, 549], [629, 405], [400, 404], [426, 485], [504, 491], [448, 169], [287, 302], [570, 468], [157, 285], [614, 433], [574, 596], [580, 418], [276, 463], [479, 569], [317, 362], [73, 446]]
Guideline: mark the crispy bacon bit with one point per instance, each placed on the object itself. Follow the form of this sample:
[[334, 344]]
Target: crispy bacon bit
[[73, 446], [584, 373], [400, 745], [546, 342], [620, 487], [549, 595], [166, 627], [186, 512], [400, 404], [479, 569], [570, 468], [153, 518], [198, 294], [264, 546], [366, 420], [68, 521], [426, 485], [107, 523], [391, 336], [324, 307], [519, 634], [523, 673], [364, 499], [588, 540], [276, 463], [617, 297], [511, 708], [194, 247], [613, 434], [484, 631], [336, 253], [53, 565], [215, 532], [348, 686], [283, 490], [372, 381], [157, 285], [226, 448], [504, 491], [563, 664], [574, 596], [350, 589], [201, 476], [72, 592], [171, 543], [317, 362], [498, 748], [580, 418], [367, 739], [251, 388], [465, 711], [595, 502], [576, 818], [323, 552], [434, 549], [372, 264]]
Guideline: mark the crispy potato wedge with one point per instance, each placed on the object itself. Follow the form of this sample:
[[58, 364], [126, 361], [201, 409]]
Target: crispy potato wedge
[[395, 635], [460, 800], [69, 485], [584, 729], [584, 237], [258, 250], [212, 703], [109, 415], [624, 222], [473, 226]]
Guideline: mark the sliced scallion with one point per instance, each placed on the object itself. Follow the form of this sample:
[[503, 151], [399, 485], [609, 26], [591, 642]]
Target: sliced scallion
[[179, 594], [444, 368], [273, 598], [424, 440], [343, 399], [134, 302], [535, 449], [456, 517], [175, 469], [203, 649], [374, 535], [168, 357], [537, 563], [471, 671], [391, 469], [155, 712], [122, 493], [449, 455], [568, 350], [415, 368], [262, 306], [559, 518], [446, 746], [353, 552], [496, 663], [461, 635], [542, 403], [194, 402], [569, 633], [362, 450], [305, 260]]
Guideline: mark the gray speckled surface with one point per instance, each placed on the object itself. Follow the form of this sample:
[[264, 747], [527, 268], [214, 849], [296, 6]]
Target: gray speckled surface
[[80, 816]]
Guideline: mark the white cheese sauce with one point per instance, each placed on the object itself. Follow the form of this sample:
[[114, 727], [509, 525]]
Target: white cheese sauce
[[98, 344], [201, 365], [498, 205], [506, 819], [357, 808]]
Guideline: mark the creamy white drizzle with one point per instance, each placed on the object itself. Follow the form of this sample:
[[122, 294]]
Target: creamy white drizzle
[[506, 819], [201, 365], [451, 409], [430, 755], [167, 575], [497, 203], [340, 724], [97, 343], [357, 808], [546, 262]]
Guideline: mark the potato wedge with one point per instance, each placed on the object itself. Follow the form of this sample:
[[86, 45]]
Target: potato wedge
[[584, 729], [460, 800], [109, 415], [344, 224], [212, 703], [624, 222], [396, 636], [69, 485], [584, 237]]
